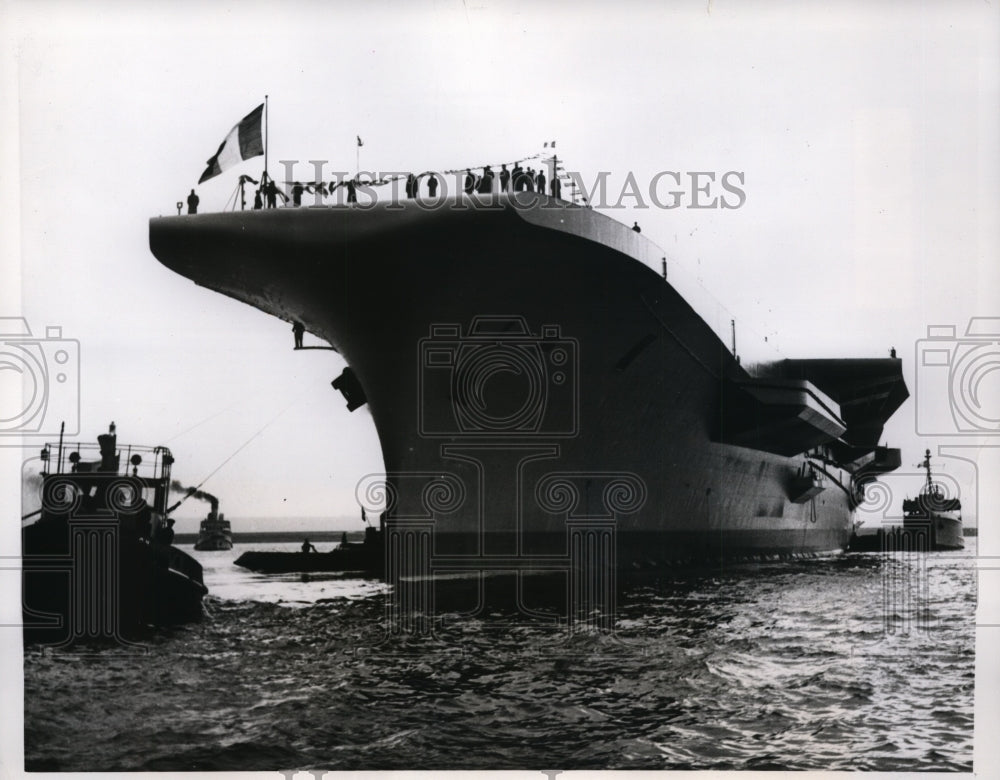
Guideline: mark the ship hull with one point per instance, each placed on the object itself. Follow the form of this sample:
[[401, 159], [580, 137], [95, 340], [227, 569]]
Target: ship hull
[[624, 436], [367, 559], [214, 546], [87, 579], [933, 533], [942, 529], [214, 543]]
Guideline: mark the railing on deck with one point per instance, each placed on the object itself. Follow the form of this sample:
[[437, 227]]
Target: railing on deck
[[153, 462]]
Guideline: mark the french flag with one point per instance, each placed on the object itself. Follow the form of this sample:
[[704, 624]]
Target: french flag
[[243, 142]]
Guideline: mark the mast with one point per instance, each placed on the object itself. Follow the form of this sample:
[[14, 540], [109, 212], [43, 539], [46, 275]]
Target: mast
[[266, 138]]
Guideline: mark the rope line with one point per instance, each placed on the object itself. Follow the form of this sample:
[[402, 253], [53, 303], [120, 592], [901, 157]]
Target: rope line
[[237, 451]]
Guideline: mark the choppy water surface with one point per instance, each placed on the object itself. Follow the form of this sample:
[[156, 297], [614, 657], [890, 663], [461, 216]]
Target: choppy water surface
[[781, 665]]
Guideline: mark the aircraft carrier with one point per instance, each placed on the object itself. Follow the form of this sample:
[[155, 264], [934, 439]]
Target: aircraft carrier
[[532, 378]]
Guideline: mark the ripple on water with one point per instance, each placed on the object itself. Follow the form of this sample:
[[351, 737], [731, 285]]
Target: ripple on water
[[781, 666]]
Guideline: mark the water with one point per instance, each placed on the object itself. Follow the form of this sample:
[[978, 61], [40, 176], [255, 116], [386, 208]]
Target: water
[[802, 665]]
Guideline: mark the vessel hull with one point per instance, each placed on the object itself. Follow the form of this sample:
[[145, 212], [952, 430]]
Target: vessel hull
[[93, 580], [214, 544], [943, 529], [357, 558]]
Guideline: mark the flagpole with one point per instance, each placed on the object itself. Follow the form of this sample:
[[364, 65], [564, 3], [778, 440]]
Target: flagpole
[[266, 137]]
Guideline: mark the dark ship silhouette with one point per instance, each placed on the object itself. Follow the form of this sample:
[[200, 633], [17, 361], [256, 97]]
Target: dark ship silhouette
[[519, 355], [98, 562], [931, 521]]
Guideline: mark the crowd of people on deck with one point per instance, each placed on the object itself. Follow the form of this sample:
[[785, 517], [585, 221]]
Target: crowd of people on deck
[[482, 181], [517, 179]]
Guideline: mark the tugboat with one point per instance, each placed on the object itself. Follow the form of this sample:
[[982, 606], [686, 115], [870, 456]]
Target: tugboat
[[933, 514], [931, 522], [98, 562], [215, 532]]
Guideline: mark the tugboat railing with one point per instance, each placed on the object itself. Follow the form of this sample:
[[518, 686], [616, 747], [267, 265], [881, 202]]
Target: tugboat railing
[[153, 462]]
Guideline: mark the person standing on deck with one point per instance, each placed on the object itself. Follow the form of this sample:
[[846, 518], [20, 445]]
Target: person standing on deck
[[485, 185], [271, 191], [504, 178], [193, 202], [297, 330]]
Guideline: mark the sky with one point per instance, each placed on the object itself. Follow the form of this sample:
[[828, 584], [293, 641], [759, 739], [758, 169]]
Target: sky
[[867, 135], [865, 138]]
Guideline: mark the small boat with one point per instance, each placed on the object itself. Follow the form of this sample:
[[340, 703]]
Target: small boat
[[366, 557], [933, 514], [215, 532], [931, 522], [99, 562]]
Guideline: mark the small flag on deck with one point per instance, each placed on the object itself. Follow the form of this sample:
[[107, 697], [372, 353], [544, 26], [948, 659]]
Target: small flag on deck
[[243, 142]]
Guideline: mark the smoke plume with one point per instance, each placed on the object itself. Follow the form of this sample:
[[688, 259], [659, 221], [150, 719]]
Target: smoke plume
[[201, 495]]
